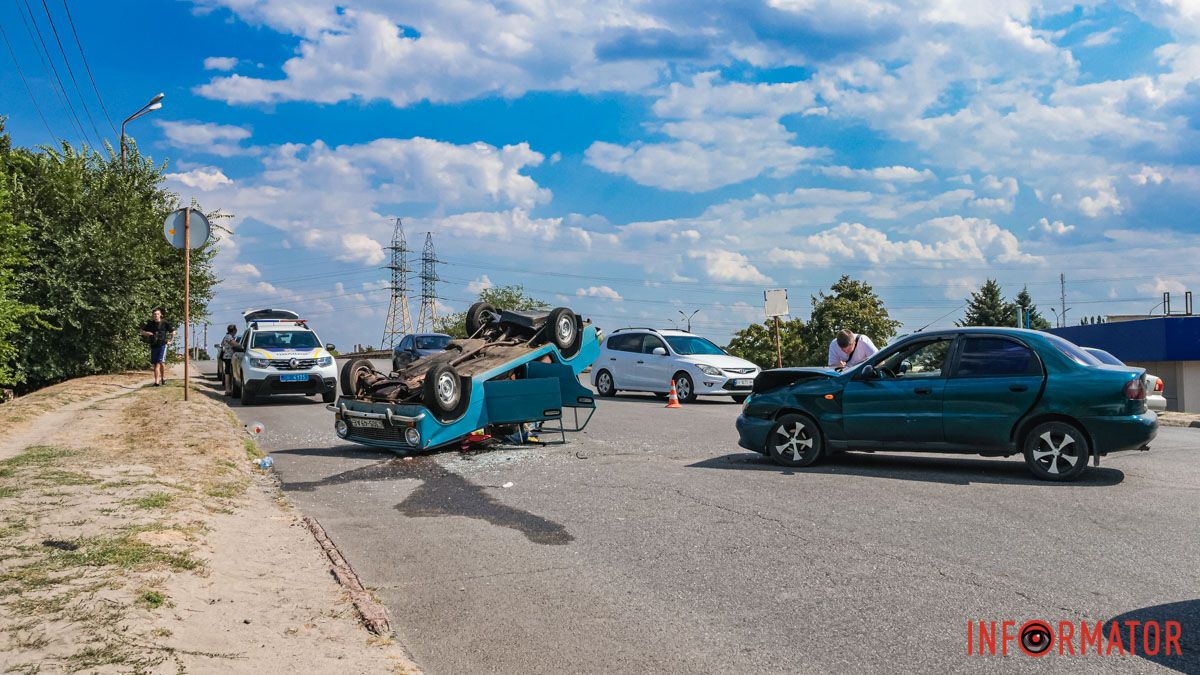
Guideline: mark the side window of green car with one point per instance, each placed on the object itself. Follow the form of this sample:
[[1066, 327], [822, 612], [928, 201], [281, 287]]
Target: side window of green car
[[925, 359], [996, 357]]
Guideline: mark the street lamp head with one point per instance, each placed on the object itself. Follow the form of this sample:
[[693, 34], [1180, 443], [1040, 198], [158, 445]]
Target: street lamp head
[[154, 106], [158, 97]]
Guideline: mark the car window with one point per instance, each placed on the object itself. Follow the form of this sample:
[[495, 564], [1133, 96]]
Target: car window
[[920, 360], [650, 343], [626, 342], [406, 343], [432, 341], [284, 339], [690, 345], [1072, 351], [990, 356], [1103, 356]]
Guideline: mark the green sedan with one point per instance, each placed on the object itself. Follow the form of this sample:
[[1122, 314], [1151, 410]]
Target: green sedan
[[994, 392]]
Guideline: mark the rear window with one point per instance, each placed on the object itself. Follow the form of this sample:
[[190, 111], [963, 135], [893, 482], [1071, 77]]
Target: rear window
[[1072, 351], [987, 357], [1103, 356], [626, 342]]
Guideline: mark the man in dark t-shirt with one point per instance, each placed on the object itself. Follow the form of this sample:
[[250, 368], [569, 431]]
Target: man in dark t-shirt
[[158, 332]]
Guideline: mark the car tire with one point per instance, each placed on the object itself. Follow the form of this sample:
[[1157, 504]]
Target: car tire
[[740, 398], [685, 388], [235, 387], [478, 316], [248, 397], [795, 440], [605, 385], [442, 390], [1056, 451], [328, 396], [563, 330], [351, 373]]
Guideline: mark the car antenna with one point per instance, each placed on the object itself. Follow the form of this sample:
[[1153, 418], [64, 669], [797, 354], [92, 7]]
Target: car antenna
[[940, 318]]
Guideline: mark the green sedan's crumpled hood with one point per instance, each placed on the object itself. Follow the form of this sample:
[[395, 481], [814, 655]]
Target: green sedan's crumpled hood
[[768, 380]]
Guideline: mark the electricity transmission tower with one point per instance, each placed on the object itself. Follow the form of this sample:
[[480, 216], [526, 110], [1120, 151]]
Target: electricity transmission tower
[[429, 279], [399, 319]]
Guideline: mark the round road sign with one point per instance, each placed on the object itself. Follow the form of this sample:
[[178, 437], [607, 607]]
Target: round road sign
[[199, 231]]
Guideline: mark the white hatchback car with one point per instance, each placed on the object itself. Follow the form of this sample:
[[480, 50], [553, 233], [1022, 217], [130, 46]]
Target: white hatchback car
[[645, 359]]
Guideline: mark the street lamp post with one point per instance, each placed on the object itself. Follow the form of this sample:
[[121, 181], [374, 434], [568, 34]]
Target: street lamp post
[[689, 318], [154, 104]]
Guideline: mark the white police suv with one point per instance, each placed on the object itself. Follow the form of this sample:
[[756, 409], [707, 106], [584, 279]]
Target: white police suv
[[645, 359], [280, 354]]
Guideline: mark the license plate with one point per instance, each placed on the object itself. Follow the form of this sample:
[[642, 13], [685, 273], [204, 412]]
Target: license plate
[[366, 424], [294, 377], [743, 383]]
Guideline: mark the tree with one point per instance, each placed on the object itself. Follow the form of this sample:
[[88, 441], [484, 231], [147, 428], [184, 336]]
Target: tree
[[501, 297], [95, 261], [987, 307], [1033, 318], [756, 343], [852, 304], [15, 316]]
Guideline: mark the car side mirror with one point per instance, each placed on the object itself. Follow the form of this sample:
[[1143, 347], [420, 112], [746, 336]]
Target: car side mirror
[[330, 347], [659, 351]]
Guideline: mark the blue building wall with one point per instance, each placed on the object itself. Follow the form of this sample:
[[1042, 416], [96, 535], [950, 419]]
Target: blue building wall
[[1167, 338]]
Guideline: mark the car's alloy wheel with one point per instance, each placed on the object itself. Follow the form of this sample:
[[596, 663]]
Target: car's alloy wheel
[[684, 388], [795, 440], [442, 391], [604, 384], [1056, 451]]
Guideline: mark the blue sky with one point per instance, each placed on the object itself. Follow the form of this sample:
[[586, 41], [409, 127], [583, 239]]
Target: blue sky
[[635, 159]]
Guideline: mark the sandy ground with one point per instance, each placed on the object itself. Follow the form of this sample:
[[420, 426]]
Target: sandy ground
[[136, 535]]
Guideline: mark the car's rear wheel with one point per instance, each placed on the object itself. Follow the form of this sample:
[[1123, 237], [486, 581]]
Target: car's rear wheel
[[1056, 451], [442, 390], [795, 440], [564, 330], [684, 388], [352, 374], [479, 315], [604, 384]]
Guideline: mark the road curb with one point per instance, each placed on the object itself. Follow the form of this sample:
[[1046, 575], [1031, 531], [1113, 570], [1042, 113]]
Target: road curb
[[1169, 422], [374, 615]]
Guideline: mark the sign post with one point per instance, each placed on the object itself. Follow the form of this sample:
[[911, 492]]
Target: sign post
[[179, 233], [776, 303]]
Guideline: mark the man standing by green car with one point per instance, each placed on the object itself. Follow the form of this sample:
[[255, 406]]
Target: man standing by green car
[[848, 349]]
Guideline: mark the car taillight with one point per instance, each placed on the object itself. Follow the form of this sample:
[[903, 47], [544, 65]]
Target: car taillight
[[1158, 385], [1135, 390]]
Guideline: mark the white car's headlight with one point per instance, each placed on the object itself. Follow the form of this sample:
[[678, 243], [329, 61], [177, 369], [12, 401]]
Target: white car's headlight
[[325, 361], [709, 370], [260, 363]]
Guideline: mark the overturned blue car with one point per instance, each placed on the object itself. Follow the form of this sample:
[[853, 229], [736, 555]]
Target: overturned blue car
[[513, 368]]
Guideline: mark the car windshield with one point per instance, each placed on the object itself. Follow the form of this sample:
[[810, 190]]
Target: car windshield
[[285, 339], [1073, 351], [689, 345], [1103, 356], [432, 341]]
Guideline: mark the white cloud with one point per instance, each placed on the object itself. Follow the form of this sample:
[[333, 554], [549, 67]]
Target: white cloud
[[890, 174], [361, 248], [1056, 228], [706, 155], [1101, 38], [246, 270], [479, 285], [1146, 176], [223, 140], [220, 63], [728, 266], [205, 179], [599, 292], [1104, 199]]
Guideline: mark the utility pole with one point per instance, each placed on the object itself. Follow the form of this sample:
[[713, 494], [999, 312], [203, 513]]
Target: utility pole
[[1062, 284], [429, 279], [399, 318]]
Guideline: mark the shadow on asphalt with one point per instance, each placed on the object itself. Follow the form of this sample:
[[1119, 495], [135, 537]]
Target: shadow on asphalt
[[1187, 613], [940, 469], [650, 398], [441, 493]]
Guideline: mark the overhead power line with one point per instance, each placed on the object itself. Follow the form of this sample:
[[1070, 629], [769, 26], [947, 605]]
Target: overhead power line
[[70, 70], [29, 89], [48, 66], [88, 67]]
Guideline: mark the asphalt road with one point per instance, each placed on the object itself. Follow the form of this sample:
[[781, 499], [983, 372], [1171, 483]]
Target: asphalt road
[[651, 542]]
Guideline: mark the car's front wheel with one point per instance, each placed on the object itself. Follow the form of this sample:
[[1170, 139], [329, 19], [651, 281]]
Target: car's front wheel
[[684, 388], [795, 440], [1056, 451], [604, 384]]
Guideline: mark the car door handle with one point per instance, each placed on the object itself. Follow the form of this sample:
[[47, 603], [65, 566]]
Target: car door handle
[[1018, 387], [612, 358], [641, 361], [922, 390]]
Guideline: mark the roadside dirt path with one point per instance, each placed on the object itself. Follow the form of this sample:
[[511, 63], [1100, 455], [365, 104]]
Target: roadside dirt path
[[136, 535]]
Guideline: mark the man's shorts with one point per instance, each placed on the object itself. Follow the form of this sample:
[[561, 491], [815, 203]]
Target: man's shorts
[[158, 354]]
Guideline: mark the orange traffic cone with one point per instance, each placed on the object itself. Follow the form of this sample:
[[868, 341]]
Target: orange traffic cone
[[673, 399]]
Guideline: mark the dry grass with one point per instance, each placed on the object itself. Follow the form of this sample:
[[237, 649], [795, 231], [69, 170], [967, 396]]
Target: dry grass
[[25, 408]]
